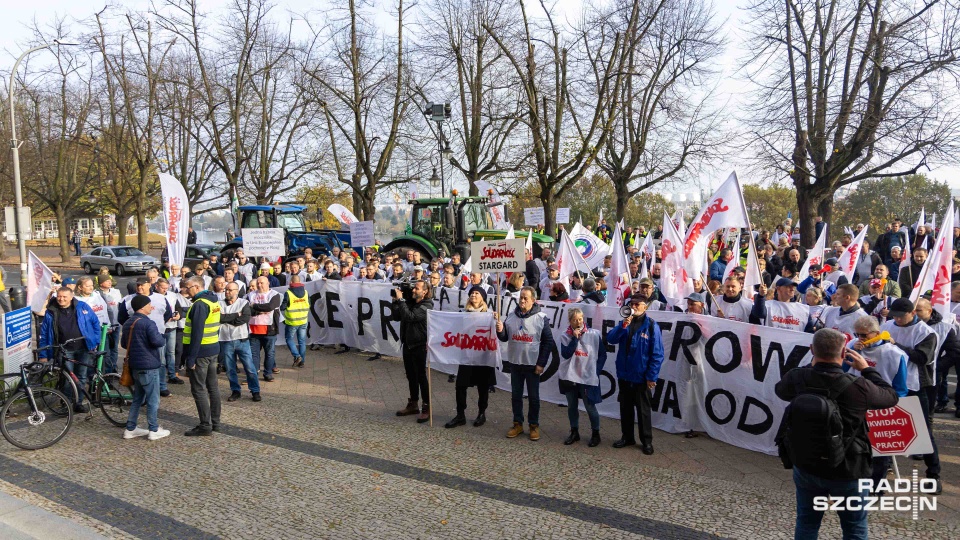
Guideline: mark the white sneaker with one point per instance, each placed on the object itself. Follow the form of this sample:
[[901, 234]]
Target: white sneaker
[[158, 434], [134, 433]]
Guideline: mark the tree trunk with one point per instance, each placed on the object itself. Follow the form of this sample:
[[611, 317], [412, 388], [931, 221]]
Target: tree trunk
[[141, 229], [623, 197], [549, 225], [122, 220], [66, 254], [825, 210], [369, 210]]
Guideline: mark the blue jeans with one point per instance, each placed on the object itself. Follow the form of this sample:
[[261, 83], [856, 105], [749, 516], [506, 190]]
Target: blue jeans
[[78, 369], [532, 381], [162, 370], [169, 355], [573, 413], [230, 352], [267, 343], [853, 522], [296, 337], [146, 391], [112, 348]]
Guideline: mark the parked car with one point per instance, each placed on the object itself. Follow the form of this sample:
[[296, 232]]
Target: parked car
[[194, 254], [119, 259]]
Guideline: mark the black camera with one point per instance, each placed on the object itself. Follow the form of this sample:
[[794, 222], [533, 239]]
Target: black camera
[[406, 288]]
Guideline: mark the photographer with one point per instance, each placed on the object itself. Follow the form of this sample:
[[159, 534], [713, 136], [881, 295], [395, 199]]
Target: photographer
[[410, 307]]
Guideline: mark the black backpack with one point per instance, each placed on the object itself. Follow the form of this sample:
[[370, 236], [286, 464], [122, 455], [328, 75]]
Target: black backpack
[[812, 433]]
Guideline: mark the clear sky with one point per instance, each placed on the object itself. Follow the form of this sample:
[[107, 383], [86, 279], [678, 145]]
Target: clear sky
[[16, 19]]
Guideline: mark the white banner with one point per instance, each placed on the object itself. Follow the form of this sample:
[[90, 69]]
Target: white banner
[[491, 256], [267, 243], [499, 217], [534, 216], [343, 215], [717, 376], [462, 339], [176, 216], [39, 283], [589, 246]]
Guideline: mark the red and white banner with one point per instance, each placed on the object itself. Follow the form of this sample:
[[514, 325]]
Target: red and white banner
[[39, 283], [343, 215], [815, 255], [618, 279], [752, 278], [468, 339], [725, 209], [851, 255], [176, 217], [647, 250]]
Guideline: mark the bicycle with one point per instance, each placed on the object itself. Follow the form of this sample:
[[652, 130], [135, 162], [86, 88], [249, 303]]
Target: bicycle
[[32, 417], [103, 389]]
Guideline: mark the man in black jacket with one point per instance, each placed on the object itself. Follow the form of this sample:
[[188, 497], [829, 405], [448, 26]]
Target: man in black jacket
[[867, 392], [144, 344], [412, 315]]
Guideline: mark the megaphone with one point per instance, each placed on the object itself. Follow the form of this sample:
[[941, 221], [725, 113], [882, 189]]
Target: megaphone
[[625, 311]]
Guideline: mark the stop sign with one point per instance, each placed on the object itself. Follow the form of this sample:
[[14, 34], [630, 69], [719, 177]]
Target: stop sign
[[892, 430]]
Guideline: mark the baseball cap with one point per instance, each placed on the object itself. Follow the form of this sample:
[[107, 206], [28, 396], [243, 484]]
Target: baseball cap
[[639, 298], [816, 267], [876, 282], [647, 281], [69, 281], [696, 297], [786, 282], [102, 277], [832, 261], [265, 266], [900, 307]]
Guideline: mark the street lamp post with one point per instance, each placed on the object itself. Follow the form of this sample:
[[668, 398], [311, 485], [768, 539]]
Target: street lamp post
[[439, 113], [15, 149]]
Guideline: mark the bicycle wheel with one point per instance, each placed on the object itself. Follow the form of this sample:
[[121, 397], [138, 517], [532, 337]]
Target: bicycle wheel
[[33, 429], [113, 399], [59, 380]]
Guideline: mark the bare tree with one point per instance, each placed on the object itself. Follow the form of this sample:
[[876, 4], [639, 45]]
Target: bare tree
[[563, 109], [363, 89], [486, 86], [850, 90], [661, 120]]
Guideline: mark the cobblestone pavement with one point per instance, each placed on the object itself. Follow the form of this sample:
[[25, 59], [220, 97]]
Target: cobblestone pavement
[[324, 456]]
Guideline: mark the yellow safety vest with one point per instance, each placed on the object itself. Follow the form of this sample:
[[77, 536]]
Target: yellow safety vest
[[297, 309], [211, 326]]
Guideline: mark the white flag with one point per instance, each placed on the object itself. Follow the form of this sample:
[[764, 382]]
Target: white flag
[[922, 220], [591, 248], [600, 219], [848, 230], [940, 283], [412, 191], [753, 277], [938, 266], [39, 283], [529, 245], [731, 264], [815, 255], [499, 218], [342, 214], [510, 234], [486, 189], [568, 260], [462, 338], [851, 255], [933, 224], [674, 284], [618, 279], [647, 251], [905, 256], [724, 209], [678, 221], [176, 216]]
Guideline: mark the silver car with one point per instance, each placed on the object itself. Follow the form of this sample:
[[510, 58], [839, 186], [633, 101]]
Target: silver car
[[119, 259]]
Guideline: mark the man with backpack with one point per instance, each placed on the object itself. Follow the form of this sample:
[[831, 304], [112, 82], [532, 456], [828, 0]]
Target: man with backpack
[[823, 435]]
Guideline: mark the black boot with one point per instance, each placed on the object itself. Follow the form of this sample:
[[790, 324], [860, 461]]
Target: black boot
[[574, 437], [594, 439], [457, 421], [481, 420]]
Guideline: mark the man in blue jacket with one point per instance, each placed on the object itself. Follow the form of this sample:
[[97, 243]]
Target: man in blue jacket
[[67, 319], [639, 356], [718, 266], [144, 344]]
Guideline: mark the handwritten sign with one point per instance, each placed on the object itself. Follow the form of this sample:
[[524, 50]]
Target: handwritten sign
[[361, 234], [267, 243], [533, 216], [498, 255], [563, 215]]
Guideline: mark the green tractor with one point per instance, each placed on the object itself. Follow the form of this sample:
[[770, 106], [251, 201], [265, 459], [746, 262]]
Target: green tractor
[[444, 226]]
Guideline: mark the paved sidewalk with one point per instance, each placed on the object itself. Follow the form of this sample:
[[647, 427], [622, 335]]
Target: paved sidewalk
[[20, 520], [324, 456]]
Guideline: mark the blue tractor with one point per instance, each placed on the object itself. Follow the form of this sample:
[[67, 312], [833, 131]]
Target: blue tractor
[[288, 217]]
